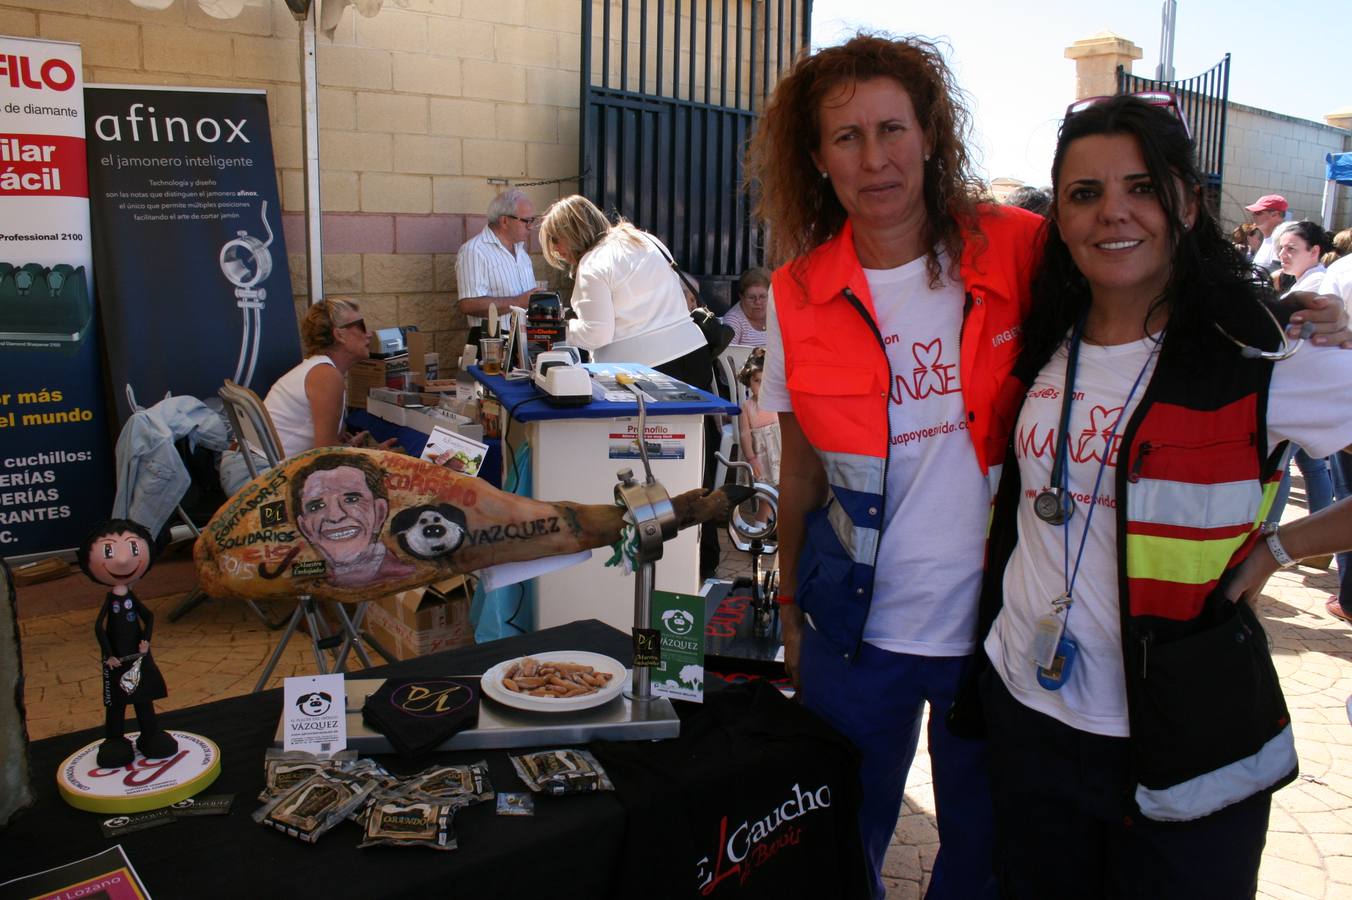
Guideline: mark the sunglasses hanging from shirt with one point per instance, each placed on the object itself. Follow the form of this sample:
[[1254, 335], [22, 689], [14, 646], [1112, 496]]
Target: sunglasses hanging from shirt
[[1054, 650]]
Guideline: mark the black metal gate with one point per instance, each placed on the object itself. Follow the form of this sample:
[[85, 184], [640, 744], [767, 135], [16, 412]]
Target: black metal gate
[[670, 94], [1204, 99]]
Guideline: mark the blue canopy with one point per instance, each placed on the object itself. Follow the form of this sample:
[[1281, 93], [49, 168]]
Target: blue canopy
[[1339, 166]]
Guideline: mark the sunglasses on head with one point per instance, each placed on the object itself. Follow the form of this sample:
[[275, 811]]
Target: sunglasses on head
[[1162, 99]]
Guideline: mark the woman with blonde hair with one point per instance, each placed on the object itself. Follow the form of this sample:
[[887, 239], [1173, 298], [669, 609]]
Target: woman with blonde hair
[[627, 294], [307, 403]]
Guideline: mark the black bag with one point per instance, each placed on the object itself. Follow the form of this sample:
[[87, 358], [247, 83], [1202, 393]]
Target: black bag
[[717, 335]]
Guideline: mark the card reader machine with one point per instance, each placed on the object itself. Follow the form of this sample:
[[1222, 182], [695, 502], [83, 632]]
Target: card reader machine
[[560, 376]]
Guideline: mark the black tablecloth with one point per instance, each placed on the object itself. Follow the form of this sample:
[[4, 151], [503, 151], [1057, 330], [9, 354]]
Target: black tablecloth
[[724, 808]]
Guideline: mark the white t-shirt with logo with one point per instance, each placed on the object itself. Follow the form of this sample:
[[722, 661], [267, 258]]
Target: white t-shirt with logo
[[937, 504], [1094, 698]]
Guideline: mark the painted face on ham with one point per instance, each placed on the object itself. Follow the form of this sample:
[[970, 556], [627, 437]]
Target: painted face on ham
[[339, 514]]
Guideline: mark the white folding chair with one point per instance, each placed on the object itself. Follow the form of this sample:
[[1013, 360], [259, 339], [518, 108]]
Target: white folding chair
[[257, 435], [730, 361]]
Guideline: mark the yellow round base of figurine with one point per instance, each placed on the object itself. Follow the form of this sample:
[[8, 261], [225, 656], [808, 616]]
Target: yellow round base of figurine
[[143, 783]]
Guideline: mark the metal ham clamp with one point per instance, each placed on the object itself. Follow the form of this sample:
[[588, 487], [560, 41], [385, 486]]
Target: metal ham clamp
[[757, 538], [654, 520]]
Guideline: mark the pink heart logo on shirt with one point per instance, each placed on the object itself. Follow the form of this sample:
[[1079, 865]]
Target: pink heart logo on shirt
[[1101, 421], [929, 376]]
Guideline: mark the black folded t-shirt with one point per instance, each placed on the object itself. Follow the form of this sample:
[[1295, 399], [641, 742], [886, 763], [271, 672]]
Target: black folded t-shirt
[[420, 714]]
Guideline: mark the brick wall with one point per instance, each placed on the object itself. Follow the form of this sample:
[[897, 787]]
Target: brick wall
[[1270, 153], [419, 107]]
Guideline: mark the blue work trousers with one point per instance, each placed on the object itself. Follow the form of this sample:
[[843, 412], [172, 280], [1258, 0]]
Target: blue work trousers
[[877, 701]]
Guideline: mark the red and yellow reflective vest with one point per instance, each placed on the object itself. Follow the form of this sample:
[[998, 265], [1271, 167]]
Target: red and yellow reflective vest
[[1195, 480], [837, 375]]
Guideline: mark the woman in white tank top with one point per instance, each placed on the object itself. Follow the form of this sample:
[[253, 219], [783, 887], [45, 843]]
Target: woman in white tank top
[[307, 403]]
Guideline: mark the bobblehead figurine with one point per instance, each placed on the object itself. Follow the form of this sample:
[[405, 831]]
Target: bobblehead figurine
[[118, 553]]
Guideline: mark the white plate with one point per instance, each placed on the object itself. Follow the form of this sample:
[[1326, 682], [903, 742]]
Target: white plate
[[492, 682]]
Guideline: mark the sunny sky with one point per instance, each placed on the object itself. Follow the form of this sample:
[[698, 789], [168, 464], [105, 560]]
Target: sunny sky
[[1010, 58]]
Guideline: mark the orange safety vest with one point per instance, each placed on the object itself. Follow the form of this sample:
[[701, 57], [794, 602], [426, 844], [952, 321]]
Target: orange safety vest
[[837, 375]]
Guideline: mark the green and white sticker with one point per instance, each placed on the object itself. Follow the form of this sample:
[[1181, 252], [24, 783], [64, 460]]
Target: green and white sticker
[[679, 621]]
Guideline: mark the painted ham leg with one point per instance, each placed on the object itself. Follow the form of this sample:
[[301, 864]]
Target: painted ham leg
[[351, 525]]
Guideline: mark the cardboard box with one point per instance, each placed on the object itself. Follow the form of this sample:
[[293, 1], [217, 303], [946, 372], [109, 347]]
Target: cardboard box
[[428, 418], [375, 373], [423, 620], [419, 345], [394, 372]]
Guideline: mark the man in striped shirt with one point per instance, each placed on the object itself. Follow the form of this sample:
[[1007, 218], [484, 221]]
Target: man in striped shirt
[[493, 267]]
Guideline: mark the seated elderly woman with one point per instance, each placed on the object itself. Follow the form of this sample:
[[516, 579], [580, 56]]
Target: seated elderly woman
[[626, 293], [307, 403], [747, 318]]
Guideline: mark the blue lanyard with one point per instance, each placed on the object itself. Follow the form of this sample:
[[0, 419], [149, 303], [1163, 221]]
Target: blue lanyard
[[1063, 454]]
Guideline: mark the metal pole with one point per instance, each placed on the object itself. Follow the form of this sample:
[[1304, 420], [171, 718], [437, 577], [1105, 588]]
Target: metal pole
[[1168, 16], [309, 103], [643, 615]]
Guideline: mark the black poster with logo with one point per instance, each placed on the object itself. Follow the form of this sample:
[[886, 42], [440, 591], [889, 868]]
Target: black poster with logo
[[191, 268]]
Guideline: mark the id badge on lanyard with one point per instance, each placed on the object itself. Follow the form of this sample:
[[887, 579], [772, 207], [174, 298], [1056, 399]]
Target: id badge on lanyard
[[1048, 633], [1054, 651]]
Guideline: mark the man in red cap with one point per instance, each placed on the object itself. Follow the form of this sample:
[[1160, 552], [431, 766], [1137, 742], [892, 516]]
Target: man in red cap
[[1268, 211]]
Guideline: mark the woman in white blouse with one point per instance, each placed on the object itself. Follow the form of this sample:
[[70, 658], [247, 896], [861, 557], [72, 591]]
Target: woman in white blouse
[[626, 293]]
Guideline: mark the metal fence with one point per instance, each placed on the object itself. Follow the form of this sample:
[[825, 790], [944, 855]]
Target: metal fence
[[1204, 100], [670, 95]]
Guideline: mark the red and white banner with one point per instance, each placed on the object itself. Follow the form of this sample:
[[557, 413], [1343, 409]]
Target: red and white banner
[[56, 473], [44, 179]]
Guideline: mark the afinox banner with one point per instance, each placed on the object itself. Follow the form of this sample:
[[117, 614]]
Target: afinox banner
[[56, 473], [192, 279]]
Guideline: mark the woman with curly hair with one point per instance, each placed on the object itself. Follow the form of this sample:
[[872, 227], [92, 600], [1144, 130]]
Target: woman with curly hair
[[893, 327], [895, 324]]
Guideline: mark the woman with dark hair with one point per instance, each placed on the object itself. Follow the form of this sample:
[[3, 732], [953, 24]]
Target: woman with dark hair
[[1299, 245], [1299, 250], [1136, 724]]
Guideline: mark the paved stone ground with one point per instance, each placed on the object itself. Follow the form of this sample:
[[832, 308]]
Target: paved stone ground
[[219, 649]]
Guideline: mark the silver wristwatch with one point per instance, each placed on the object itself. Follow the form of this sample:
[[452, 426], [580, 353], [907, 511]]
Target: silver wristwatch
[[1275, 545]]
